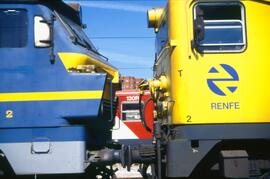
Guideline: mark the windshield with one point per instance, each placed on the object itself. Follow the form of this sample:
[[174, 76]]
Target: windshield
[[76, 33]]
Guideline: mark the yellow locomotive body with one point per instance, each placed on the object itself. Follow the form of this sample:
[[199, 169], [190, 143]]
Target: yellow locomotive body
[[211, 85], [243, 98]]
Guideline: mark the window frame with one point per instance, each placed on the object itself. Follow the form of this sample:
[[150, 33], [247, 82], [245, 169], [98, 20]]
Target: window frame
[[242, 21], [126, 111]]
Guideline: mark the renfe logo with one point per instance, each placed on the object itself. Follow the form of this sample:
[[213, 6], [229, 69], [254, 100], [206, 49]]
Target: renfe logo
[[217, 84]]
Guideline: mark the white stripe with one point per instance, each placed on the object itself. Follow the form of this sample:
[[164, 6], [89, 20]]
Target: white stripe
[[121, 131], [222, 44], [223, 27], [130, 93]]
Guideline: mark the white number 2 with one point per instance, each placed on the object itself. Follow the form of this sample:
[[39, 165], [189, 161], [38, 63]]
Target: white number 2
[[9, 114]]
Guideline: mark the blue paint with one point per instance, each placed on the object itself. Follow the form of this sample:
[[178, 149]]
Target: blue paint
[[213, 70], [47, 113], [232, 89], [28, 69], [212, 81]]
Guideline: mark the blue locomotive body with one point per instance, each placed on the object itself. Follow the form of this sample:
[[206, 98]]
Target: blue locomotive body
[[50, 113]]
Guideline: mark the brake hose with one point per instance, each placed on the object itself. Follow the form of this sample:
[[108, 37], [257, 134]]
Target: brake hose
[[142, 109]]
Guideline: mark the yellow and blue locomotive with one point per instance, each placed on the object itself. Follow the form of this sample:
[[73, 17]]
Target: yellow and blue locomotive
[[211, 88], [56, 89]]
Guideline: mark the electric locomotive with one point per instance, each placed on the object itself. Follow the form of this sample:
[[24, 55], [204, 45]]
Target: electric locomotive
[[56, 90], [211, 88]]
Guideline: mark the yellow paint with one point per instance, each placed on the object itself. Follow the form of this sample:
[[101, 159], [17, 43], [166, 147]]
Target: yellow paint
[[50, 96], [154, 16], [189, 93], [73, 60], [158, 84]]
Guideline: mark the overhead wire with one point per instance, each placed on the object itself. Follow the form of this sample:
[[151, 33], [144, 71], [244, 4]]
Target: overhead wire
[[137, 68], [119, 0], [121, 37]]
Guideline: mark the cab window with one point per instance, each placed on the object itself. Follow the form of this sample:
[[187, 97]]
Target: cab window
[[13, 28], [222, 27], [130, 111]]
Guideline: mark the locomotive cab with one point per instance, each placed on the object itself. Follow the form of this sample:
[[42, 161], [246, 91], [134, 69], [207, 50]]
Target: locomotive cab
[[56, 90], [214, 57]]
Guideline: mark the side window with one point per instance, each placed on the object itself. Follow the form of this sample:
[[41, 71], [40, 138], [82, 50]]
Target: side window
[[130, 111], [222, 27], [162, 36], [13, 28]]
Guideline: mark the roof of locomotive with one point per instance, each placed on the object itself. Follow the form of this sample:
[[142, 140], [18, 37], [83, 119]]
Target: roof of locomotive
[[57, 5]]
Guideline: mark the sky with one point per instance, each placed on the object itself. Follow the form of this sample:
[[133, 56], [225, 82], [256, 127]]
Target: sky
[[118, 29]]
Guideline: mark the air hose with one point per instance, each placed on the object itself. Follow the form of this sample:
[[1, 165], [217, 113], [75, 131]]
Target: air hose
[[142, 109]]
